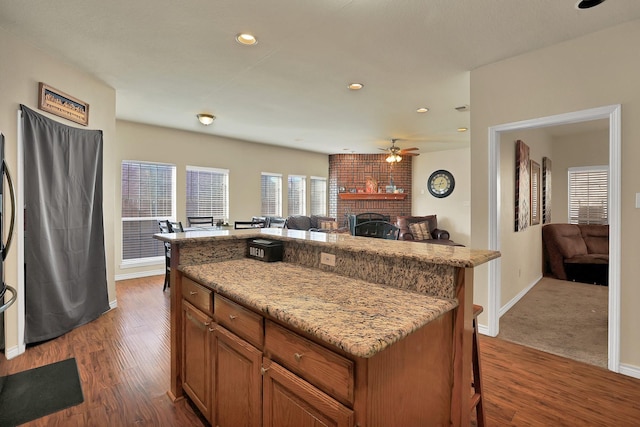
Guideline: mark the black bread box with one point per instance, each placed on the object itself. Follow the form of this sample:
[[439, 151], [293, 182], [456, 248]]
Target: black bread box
[[265, 250]]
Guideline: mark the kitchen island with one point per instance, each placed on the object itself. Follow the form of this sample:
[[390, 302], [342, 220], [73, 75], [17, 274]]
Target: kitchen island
[[377, 334]]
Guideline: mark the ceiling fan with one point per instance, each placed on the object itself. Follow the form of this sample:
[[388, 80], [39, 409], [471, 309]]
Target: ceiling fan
[[396, 153]]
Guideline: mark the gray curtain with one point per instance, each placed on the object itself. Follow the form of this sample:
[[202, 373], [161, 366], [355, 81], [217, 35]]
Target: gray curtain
[[66, 279]]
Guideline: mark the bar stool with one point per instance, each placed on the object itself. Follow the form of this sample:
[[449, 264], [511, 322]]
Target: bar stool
[[476, 398]]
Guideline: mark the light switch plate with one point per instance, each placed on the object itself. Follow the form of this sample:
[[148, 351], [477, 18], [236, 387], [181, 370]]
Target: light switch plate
[[637, 200]]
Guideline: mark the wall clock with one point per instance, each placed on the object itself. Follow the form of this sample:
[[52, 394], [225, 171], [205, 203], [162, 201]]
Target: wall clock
[[441, 183]]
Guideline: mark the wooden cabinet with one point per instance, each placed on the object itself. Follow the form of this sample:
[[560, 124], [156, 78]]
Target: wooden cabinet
[[289, 401], [196, 356], [236, 381], [321, 367], [244, 369]]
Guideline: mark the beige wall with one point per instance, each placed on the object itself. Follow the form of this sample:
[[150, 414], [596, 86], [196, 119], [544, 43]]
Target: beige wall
[[245, 161], [583, 149], [21, 68], [521, 260], [591, 71], [454, 212]]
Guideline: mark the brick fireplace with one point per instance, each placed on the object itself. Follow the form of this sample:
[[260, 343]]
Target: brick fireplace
[[348, 175]]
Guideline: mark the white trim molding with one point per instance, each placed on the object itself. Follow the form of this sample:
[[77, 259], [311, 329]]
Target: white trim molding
[[613, 114]]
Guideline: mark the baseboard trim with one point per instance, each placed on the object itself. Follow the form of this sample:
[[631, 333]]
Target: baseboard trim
[[630, 370], [140, 274], [517, 298], [12, 352]]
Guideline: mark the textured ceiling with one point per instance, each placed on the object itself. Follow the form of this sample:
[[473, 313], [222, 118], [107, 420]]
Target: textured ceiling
[[169, 60]]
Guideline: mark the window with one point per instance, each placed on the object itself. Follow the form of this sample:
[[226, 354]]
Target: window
[[208, 192], [318, 196], [588, 195], [271, 189], [148, 195], [297, 195]]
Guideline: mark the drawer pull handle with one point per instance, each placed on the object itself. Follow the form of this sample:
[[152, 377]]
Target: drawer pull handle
[[198, 323], [192, 293], [211, 329], [297, 356], [263, 370], [233, 316]]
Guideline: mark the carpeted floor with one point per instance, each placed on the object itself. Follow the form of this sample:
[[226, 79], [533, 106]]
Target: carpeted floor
[[564, 318]]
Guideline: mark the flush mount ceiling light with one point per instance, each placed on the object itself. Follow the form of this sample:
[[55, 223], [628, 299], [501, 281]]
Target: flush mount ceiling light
[[588, 4], [422, 110], [355, 86], [246, 39], [206, 119], [463, 129]]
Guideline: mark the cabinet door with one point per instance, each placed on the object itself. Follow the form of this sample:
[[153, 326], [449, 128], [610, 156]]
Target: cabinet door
[[196, 356], [236, 381], [289, 401]]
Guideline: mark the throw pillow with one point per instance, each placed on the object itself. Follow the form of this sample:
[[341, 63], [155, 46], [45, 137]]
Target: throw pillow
[[420, 230], [328, 225]]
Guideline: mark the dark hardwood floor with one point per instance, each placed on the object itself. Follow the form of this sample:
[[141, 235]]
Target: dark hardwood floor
[[123, 358]]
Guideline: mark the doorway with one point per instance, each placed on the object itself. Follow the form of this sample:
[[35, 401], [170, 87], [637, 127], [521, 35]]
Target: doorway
[[613, 115]]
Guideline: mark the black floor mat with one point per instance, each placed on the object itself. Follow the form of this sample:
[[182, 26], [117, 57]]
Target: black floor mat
[[32, 394]]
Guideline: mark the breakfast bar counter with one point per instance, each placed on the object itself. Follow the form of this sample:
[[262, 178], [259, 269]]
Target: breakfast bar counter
[[351, 331]]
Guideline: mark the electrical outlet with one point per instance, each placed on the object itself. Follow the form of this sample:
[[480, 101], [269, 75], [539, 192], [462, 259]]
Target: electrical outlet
[[327, 259]]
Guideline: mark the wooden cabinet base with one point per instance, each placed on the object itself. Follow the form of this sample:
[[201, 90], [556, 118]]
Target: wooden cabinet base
[[289, 401], [237, 381]]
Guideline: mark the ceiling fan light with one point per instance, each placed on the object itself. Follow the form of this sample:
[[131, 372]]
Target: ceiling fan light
[[206, 119], [393, 158]]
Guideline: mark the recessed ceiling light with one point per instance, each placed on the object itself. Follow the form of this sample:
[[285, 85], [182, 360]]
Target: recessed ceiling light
[[206, 119], [588, 4], [246, 39], [355, 86], [463, 129], [422, 110]]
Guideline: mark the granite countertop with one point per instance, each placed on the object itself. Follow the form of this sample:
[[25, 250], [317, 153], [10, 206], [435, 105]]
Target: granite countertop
[[358, 317], [456, 256]]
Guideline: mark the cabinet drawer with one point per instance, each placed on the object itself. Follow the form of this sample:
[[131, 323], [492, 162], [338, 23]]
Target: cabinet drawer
[[197, 295], [320, 366], [239, 320]]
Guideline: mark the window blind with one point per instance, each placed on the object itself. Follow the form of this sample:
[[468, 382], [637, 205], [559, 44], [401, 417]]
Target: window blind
[[271, 194], [318, 196], [588, 195], [208, 192], [148, 195], [297, 195]]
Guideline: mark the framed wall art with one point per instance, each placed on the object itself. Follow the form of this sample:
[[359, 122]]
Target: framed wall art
[[522, 188], [546, 190], [535, 180], [62, 105]]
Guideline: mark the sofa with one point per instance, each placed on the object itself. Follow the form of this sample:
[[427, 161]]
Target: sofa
[[577, 252], [311, 223], [436, 235]]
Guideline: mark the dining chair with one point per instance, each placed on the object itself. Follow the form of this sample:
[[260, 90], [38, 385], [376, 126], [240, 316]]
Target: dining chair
[[165, 228], [175, 227], [377, 229], [254, 223], [200, 221]]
